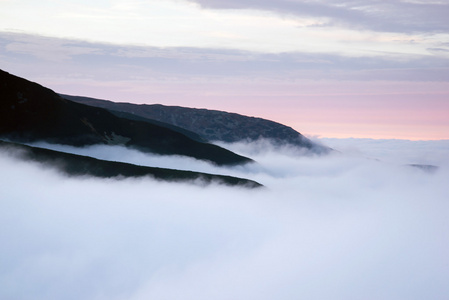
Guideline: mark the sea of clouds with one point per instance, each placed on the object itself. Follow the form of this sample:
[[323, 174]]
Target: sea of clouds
[[355, 224]]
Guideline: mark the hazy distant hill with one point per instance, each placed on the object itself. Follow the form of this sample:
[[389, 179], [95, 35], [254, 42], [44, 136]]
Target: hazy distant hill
[[31, 112], [211, 125], [77, 165]]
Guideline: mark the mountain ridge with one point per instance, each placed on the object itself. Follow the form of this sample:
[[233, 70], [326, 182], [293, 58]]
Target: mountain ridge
[[211, 125], [30, 112], [80, 165]]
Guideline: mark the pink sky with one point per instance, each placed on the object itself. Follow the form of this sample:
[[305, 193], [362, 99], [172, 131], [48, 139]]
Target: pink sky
[[380, 110], [367, 68]]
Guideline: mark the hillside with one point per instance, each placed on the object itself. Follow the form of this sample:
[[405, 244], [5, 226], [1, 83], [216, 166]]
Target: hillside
[[30, 112], [77, 165], [211, 125]]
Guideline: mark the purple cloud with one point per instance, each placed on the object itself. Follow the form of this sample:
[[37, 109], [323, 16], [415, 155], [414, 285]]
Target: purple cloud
[[107, 61], [386, 16]]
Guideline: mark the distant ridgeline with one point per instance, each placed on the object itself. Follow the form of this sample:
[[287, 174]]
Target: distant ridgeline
[[30, 112], [208, 125], [78, 165]]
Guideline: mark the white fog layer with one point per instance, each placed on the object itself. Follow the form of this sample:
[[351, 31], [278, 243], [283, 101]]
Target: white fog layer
[[359, 224]]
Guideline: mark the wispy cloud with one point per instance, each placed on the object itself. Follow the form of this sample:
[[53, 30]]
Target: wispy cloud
[[213, 62], [386, 16], [47, 49], [352, 28]]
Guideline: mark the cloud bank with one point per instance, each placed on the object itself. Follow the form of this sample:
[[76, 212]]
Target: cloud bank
[[178, 62], [335, 227], [391, 16]]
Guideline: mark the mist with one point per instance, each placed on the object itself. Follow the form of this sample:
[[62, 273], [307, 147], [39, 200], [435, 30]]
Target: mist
[[356, 224]]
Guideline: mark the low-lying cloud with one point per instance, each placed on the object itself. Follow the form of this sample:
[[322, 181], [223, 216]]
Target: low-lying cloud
[[335, 227]]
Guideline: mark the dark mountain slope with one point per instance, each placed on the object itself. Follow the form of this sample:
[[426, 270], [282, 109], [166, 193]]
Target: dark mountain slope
[[134, 117], [30, 112], [211, 125], [77, 165]]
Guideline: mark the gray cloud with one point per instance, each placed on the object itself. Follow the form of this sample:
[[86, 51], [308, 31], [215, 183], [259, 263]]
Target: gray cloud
[[27, 54], [387, 16], [438, 50], [337, 227]]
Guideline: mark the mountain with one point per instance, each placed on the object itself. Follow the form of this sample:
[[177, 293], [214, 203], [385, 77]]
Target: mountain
[[211, 125], [30, 112], [77, 165]]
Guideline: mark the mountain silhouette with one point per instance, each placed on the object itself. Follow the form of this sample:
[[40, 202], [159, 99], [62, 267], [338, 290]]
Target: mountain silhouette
[[210, 125], [30, 112], [78, 165]]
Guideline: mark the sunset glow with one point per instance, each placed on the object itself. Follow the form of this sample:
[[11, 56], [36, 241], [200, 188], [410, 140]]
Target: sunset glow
[[325, 68]]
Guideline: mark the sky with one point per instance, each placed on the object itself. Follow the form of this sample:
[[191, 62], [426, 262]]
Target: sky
[[355, 224], [336, 69], [367, 78]]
